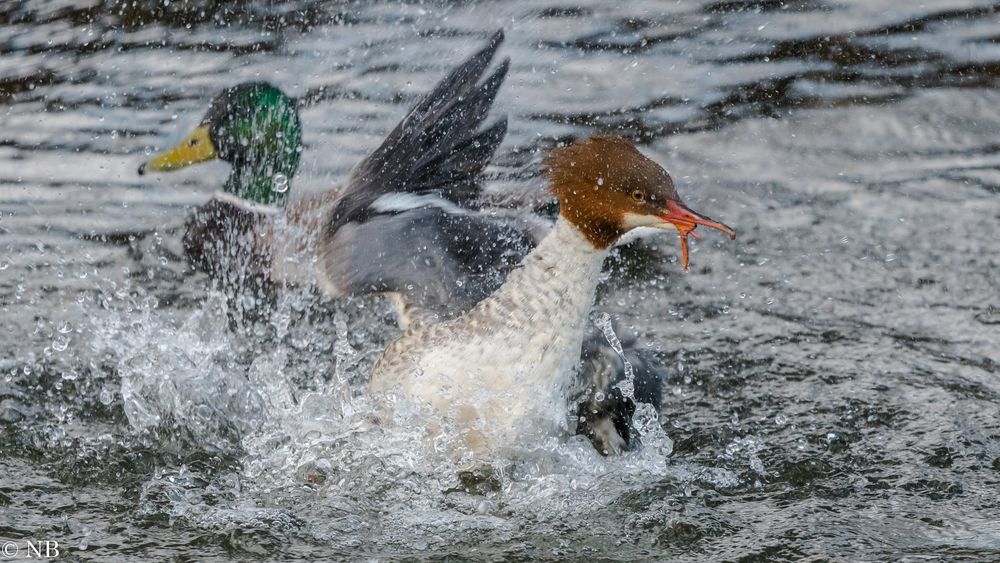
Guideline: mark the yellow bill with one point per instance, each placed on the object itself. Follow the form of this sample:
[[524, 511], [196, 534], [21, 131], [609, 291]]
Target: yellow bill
[[196, 147]]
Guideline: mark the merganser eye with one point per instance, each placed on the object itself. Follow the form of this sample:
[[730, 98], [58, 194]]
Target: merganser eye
[[638, 196]]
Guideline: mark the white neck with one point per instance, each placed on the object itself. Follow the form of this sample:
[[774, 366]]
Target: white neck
[[531, 333], [558, 278]]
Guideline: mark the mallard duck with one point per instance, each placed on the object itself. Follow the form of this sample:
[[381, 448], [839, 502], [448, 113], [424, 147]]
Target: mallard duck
[[252, 234], [404, 222], [256, 128]]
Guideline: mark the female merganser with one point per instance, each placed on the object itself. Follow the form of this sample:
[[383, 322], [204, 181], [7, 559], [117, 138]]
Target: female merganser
[[501, 372]]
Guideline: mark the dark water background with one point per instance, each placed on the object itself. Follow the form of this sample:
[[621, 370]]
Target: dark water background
[[835, 372]]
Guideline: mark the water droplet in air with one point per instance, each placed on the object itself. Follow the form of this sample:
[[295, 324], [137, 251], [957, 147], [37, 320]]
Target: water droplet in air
[[279, 183]]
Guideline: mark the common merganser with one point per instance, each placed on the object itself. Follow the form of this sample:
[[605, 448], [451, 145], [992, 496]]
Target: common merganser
[[500, 373]]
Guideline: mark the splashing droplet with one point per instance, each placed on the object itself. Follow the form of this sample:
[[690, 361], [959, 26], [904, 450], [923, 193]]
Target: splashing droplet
[[60, 344], [627, 385], [279, 183]]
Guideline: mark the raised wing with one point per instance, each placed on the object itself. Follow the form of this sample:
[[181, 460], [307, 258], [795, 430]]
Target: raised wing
[[437, 148]]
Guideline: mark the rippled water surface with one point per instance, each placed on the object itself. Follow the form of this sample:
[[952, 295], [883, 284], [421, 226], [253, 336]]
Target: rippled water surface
[[833, 388]]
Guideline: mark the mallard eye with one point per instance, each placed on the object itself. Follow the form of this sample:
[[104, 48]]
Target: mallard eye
[[638, 196], [192, 142]]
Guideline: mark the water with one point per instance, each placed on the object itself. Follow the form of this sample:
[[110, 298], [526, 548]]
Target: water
[[834, 372]]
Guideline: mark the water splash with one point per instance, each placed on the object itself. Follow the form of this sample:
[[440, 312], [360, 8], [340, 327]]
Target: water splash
[[627, 385], [279, 183]]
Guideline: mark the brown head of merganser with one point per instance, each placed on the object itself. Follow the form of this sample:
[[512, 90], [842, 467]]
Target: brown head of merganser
[[606, 188]]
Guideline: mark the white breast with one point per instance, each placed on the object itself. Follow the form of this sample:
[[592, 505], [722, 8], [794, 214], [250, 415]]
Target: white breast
[[500, 372]]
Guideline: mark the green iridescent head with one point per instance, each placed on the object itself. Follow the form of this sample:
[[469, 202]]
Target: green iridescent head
[[253, 126]]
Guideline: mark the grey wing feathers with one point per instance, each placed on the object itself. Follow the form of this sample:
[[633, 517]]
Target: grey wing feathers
[[437, 262], [437, 147]]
